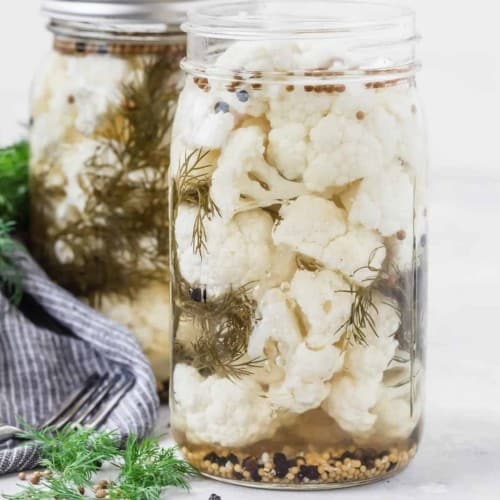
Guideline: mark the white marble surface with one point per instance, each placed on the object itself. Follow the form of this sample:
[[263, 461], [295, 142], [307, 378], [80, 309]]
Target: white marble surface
[[460, 455]]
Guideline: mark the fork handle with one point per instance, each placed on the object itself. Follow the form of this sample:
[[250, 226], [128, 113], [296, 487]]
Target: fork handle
[[7, 432]]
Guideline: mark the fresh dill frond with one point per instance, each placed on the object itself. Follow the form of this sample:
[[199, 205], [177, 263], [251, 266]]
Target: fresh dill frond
[[362, 318], [225, 323], [11, 278], [14, 183], [49, 489], [147, 469], [75, 454], [192, 186]]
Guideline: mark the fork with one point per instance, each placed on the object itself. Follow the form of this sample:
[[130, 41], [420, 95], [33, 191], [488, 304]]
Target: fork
[[89, 406]]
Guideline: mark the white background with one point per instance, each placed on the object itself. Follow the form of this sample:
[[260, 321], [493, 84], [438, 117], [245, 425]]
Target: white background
[[460, 83]]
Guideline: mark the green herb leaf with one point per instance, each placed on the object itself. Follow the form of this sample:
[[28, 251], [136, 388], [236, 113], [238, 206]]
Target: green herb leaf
[[147, 469], [75, 454], [14, 182]]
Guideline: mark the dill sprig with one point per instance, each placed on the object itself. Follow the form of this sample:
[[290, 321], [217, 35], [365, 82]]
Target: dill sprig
[[225, 322], [74, 455], [14, 182], [146, 469], [192, 186], [120, 243], [362, 318], [11, 278]]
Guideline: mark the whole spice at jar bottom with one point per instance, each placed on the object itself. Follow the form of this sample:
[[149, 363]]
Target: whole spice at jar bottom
[[331, 466]]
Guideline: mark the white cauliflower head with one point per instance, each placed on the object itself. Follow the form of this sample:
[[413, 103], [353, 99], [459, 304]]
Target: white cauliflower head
[[147, 316], [296, 106], [243, 179], [221, 412], [350, 403], [309, 224], [384, 202], [238, 253], [278, 324], [307, 374], [363, 134], [317, 228], [325, 303], [287, 149], [206, 125], [370, 361]]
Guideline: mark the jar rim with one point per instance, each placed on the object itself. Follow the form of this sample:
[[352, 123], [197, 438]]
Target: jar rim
[[281, 19]]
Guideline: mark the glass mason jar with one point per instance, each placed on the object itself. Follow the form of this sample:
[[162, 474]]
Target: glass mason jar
[[102, 107], [298, 235]]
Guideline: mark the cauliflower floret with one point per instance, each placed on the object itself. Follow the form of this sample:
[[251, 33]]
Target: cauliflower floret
[[356, 393], [317, 228], [298, 106], [219, 411], [287, 149], [258, 56], [72, 161], [358, 255], [364, 133], [147, 316], [384, 202], [350, 402], [309, 224], [278, 324], [342, 150], [242, 172], [324, 303], [308, 371], [238, 253], [94, 82], [205, 125], [370, 361], [394, 419]]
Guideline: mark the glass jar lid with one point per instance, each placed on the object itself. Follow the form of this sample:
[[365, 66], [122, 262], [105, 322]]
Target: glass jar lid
[[130, 12]]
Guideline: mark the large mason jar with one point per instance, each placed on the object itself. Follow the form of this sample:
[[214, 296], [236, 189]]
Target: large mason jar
[[298, 235], [102, 107]]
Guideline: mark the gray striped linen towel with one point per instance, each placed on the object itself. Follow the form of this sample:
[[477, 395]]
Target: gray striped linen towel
[[49, 346]]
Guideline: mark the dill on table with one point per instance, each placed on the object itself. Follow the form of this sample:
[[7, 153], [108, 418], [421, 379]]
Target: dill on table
[[14, 183], [73, 456]]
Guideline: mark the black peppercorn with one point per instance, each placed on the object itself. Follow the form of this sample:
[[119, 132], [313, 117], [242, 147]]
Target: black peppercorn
[[211, 457], [280, 465], [222, 107], [242, 95]]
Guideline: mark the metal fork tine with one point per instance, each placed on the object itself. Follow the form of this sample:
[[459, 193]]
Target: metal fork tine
[[98, 398], [72, 400], [72, 411], [97, 420]]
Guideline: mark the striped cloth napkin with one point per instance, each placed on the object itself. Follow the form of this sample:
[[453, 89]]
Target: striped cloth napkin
[[49, 346]]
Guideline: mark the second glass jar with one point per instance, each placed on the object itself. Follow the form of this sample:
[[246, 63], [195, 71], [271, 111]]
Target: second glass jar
[[102, 108], [298, 256]]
